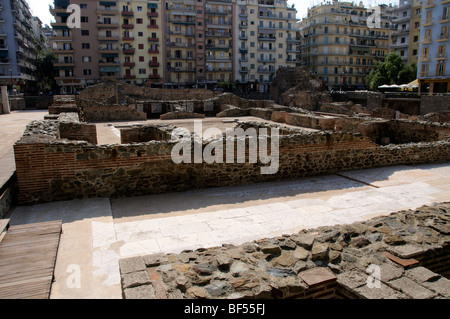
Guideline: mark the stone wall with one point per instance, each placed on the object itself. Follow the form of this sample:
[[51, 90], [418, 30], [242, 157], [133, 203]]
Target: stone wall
[[409, 250], [146, 133], [50, 169], [91, 111], [304, 120], [393, 131], [72, 129], [6, 201], [434, 104]]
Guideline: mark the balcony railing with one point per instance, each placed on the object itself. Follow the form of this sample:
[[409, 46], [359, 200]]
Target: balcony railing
[[127, 14]]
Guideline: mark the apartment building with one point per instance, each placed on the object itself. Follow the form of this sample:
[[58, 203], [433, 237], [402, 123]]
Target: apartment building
[[175, 43], [265, 40], [340, 46], [406, 31], [18, 45], [433, 68]]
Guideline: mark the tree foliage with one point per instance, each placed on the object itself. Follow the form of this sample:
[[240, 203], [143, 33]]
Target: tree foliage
[[45, 71], [392, 71]]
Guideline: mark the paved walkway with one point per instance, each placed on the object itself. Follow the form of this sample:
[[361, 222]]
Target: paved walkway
[[98, 232], [11, 129]]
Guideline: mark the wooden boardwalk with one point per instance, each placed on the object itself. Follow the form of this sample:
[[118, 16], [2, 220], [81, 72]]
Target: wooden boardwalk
[[27, 260]]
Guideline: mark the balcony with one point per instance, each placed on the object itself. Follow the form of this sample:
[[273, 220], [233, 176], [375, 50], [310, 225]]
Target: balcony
[[152, 14], [267, 60], [129, 77], [129, 64], [244, 71], [108, 39], [154, 77], [127, 26], [127, 38], [441, 57], [103, 64], [108, 51], [153, 26], [153, 51], [217, 11], [182, 21], [62, 38], [64, 65], [150, 39], [153, 64], [110, 12], [444, 19], [102, 25], [262, 38], [226, 25], [218, 59], [265, 70], [428, 23], [127, 14], [129, 51], [443, 37], [429, 4], [425, 59], [59, 25], [63, 51]]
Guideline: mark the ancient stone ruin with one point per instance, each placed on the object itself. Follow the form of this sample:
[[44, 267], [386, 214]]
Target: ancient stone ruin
[[409, 250]]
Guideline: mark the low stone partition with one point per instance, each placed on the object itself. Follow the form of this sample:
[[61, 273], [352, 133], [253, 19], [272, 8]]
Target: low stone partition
[[383, 258], [394, 131], [92, 111], [305, 120], [181, 115], [71, 128], [145, 133]]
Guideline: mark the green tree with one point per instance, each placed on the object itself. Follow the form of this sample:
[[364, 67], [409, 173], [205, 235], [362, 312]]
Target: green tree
[[45, 71], [392, 71]]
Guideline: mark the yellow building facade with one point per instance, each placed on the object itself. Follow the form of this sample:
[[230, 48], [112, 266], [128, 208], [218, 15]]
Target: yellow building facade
[[339, 45]]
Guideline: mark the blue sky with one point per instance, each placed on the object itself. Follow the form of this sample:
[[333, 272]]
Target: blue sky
[[40, 7]]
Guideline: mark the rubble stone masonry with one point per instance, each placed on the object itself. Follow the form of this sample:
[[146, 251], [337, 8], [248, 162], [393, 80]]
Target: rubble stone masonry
[[52, 169]]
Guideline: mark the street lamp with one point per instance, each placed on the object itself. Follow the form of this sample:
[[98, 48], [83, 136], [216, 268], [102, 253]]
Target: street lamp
[[12, 80]]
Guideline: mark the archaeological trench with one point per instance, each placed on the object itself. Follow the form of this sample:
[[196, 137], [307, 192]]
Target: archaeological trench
[[59, 159]]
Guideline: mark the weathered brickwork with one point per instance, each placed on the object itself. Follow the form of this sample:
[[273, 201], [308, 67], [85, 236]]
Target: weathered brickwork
[[50, 169], [387, 257]]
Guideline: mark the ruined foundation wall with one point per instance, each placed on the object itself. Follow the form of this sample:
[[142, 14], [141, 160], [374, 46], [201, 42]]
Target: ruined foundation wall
[[53, 170]]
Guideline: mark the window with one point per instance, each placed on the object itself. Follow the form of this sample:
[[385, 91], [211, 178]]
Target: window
[[140, 34], [416, 38], [139, 21], [86, 59], [85, 45], [415, 52], [141, 59], [85, 32], [87, 72], [84, 19], [440, 69], [280, 45], [417, 25], [139, 8], [441, 51], [141, 46], [83, 6], [142, 71]]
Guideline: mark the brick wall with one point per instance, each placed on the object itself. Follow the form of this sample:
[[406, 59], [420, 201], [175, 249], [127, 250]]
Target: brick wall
[[58, 170]]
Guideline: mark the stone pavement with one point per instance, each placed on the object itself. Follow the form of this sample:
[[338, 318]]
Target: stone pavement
[[11, 129], [98, 232]]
